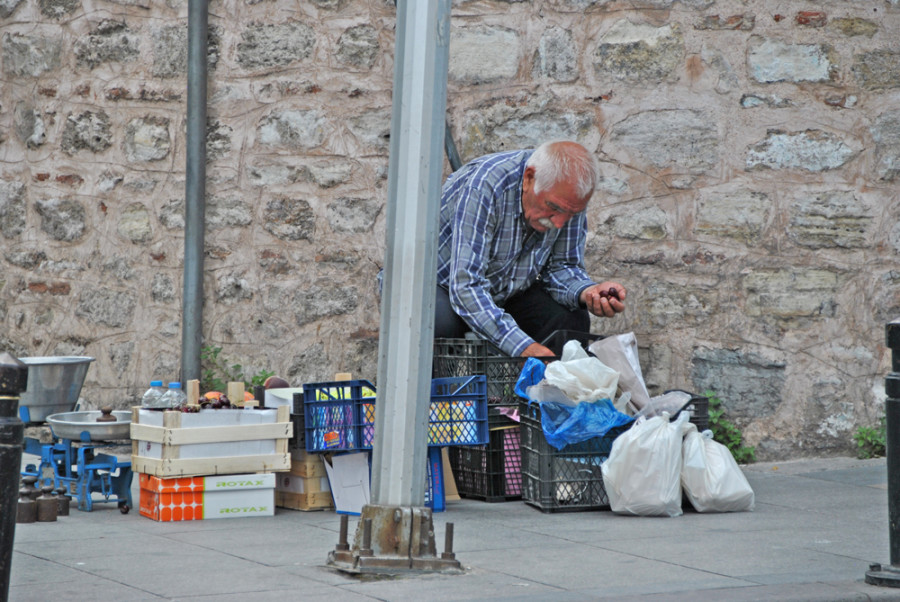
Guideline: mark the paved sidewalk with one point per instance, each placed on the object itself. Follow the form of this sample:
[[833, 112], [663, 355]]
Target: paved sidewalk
[[817, 526]]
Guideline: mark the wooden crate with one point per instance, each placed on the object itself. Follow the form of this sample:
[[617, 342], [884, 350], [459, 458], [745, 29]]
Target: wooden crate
[[183, 445]]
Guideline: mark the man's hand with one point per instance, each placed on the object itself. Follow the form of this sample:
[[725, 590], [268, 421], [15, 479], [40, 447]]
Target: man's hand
[[600, 302], [537, 350]]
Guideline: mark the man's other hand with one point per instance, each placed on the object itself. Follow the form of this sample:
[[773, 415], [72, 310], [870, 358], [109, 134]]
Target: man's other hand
[[537, 350], [600, 302]]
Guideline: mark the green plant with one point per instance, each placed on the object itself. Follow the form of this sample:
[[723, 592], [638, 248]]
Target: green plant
[[870, 440], [217, 373], [727, 433]]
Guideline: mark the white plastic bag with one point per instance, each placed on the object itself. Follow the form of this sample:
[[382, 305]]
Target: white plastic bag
[[712, 479], [643, 472], [620, 352], [580, 376]]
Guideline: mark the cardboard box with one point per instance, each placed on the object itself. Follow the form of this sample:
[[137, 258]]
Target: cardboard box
[[200, 498], [293, 484], [210, 442], [305, 464], [320, 500]]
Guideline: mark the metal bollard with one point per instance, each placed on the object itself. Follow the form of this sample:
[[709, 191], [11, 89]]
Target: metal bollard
[[877, 574], [13, 381]]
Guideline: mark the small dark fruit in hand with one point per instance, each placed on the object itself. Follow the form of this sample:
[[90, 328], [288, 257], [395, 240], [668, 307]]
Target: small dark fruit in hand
[[613, 293]]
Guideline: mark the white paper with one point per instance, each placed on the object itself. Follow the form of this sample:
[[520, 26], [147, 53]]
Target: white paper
[[348, 477]]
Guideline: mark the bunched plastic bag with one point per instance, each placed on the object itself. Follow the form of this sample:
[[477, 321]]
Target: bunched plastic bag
[[565, 425], [642, 475], [712, 479]]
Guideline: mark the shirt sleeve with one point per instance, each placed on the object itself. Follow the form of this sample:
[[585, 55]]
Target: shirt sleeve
[[475, 225], [565, 276]]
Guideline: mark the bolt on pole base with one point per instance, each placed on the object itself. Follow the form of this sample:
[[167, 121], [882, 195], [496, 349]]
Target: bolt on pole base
[[393, 540], [886, 576]]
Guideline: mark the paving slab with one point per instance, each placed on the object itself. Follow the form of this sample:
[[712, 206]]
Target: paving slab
[[816, 527]]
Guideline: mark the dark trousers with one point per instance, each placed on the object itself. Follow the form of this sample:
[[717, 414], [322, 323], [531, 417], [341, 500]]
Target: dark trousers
[[534, 311]]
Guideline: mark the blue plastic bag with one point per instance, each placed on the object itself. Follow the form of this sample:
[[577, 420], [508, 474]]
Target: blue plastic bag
[[564, 425], [532, 373]]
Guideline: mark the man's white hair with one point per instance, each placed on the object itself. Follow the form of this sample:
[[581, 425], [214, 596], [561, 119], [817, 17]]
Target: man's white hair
[[563, 160]]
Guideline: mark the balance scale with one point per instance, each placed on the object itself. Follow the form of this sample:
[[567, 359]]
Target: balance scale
[[76, 462]]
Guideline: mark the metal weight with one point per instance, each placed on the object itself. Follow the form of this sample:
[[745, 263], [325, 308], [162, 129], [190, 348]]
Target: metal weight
[[26, 509], [47, 506], [63, 501]]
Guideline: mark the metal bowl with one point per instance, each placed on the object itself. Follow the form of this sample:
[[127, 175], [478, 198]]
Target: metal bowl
[[83, 426], [54, 384]]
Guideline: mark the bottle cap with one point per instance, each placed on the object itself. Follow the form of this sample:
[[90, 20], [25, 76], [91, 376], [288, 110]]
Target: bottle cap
[[155, 383], [174, 385]]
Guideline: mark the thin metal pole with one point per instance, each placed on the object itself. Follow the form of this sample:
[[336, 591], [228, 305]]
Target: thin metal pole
[[195, 190], [889, 576], [13, 381], [407, 308]]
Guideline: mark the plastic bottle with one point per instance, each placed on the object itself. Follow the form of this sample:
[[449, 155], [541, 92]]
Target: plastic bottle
[[174, 397], [152, 395]]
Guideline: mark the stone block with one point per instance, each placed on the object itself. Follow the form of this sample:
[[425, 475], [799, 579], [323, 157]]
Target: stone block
[[749, 384], [62, 219], [353, 215], [104, 306], [302, 129], [8, 7], [29, 125], [885, 132], [877, 69], [147, 139], [740, 214], [666, 303], [87, 131], [770, 60], [853, 26], [289, 219], [831, 219], [686, 139], [134, 223], [224, 212], [269, 45], [372, 129], [811, 150], [483, 54], [322, 300], [112, 41], [13, 209], [649, 223], [30, 55], [787, 293], [556, 56], [358, 47], [640, 53], [57, 9]]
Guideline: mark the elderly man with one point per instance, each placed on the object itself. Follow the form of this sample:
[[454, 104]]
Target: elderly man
[[511, 249]]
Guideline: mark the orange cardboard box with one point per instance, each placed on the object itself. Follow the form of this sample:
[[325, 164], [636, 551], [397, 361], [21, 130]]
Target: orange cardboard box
[[198, 498]]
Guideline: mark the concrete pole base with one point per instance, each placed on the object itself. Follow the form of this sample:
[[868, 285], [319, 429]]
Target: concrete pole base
[[887, 576], [392, 540]]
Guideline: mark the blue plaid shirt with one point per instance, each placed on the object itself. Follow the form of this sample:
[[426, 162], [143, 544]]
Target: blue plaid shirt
[[487, 252]]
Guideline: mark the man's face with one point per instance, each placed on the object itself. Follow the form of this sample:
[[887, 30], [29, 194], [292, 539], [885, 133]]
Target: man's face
[[552, 207]]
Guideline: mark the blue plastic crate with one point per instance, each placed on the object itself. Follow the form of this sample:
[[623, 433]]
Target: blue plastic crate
[[340, 416]]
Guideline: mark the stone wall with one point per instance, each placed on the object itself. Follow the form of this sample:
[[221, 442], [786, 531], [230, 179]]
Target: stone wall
[[750, 152]]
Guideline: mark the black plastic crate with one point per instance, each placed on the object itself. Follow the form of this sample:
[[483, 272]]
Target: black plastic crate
[[492, 472], [469, 357], [565, 480], [698, 406]]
